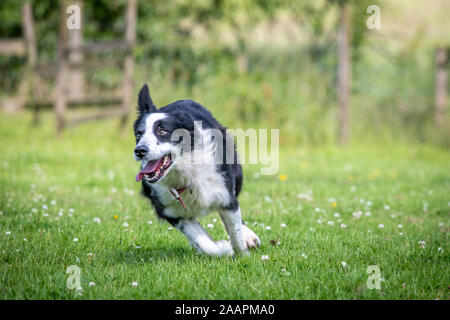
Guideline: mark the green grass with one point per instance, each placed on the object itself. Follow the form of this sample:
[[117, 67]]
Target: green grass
[[91, 170]]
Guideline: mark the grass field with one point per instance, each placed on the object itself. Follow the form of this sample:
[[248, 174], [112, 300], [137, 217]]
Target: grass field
[[74, 201]]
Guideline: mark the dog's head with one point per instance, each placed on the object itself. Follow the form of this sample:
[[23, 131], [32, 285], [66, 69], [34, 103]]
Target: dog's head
[[159, 138]]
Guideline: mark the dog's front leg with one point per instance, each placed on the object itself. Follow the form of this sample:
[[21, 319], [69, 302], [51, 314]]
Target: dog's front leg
[[233, 223], [200, 239]]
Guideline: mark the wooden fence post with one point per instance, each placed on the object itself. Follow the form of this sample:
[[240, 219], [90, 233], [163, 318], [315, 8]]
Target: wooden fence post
[[30, 43], [440, 85], [61, 78], [75, 57], [130, 38], [344, 75]]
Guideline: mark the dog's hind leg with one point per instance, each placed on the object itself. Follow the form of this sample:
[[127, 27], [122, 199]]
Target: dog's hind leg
[[235, 228], [200, 239]]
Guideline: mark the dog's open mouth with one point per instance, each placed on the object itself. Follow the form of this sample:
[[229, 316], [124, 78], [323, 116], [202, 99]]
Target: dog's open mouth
[[156, 169]]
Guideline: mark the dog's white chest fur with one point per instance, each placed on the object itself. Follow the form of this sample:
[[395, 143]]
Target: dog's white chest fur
[[206, 189]]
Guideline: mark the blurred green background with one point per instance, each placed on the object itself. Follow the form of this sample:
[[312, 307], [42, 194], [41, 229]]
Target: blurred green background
[[268, 63]]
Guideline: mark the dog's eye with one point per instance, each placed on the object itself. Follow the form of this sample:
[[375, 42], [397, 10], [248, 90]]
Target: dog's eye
[[138, 136], [160, 131]]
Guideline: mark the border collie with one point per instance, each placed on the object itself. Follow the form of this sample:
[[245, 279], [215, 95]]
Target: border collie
[[189, 168]]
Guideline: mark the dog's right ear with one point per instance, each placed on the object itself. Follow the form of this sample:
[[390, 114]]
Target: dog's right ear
[[145, 103]]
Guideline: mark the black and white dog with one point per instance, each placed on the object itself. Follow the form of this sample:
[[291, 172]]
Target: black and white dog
[[186, 172]]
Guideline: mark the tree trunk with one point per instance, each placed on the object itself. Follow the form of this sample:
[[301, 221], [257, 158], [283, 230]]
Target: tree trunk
[[440, 86], [344, 75]]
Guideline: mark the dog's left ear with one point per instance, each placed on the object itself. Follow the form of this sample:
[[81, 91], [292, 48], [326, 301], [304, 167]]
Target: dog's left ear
[[145, 103]]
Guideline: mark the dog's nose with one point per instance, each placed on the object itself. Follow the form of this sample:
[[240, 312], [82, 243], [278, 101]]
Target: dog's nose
[[140, 151]]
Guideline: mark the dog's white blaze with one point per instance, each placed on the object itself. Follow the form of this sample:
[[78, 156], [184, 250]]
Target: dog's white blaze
[[155, 147]]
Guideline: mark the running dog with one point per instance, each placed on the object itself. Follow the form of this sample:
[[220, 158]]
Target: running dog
[[189, 168]]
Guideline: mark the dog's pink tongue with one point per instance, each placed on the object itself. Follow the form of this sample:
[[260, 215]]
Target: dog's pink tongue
[[150, 167]]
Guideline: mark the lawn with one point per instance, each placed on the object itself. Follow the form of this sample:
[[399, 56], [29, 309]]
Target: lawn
[[333, 213]]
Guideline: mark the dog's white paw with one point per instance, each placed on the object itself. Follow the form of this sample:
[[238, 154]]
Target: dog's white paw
[[224, 248], [251, 239]]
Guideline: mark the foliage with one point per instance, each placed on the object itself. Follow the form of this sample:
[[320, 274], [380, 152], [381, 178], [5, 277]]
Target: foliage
[[209, 50]]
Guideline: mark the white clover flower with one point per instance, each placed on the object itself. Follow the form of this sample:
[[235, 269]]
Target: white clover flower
[[71, 210], [440, 224], [25, 239], [264, 257], [357, 214], [134, 284], [90, 254], [319, 221], [214, 220], [169, 228], [8, 233], [138, 247], [400, 233], [150, 222], [311, 229], [386, 207], [283, 225], [53, 202], [75, 239], [317, 209], [91, 284], [400, 226], [368, 214], [344, 264], [97, 220], [125, 224], [421, 243], [210, 226], [337, 215], [343, 225], [330, 223], [268, 228], [304, 255], [381, 226], [44, 207]]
